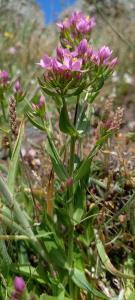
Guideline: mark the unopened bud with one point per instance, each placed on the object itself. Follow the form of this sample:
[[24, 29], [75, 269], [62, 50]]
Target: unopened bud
[[18, 87], [19, 284], [69, 181], [41, 101]]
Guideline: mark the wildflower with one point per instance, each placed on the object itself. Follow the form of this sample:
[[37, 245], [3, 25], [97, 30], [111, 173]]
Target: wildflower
[[69, 63], [103, 57], [82, 47], [74, 28], [39, 109], [19, 284], [104, 53], [18, 88], [95, 58], [85, 24], [76, 63], [4, 77], [113, 63]]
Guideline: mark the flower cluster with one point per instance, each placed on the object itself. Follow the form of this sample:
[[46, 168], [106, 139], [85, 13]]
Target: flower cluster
[[79, 65], [75, 27]]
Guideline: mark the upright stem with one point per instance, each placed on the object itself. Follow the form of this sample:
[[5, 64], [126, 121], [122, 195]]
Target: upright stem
[[3, 108], [71, 204]]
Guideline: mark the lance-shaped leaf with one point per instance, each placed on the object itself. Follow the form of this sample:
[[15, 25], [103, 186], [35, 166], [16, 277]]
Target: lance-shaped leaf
[[79, 278], [34, 122], [106, 261], [65, 124], [56, 161], [84, 167], [14, 159]]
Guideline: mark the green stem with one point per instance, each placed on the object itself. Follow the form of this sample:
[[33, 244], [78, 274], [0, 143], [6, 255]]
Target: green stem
[[3, 108], [71, 204]]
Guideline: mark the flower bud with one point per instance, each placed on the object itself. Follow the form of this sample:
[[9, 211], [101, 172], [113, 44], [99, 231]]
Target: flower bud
[[82, 47], [4, 77], [19, 284], [18, 87], [69, 181], [113, 63], [41, 101]]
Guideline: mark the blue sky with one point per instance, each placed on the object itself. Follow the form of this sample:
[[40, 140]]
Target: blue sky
[[52, 8]]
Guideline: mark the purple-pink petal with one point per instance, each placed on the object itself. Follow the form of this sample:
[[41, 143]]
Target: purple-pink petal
[[76, 65], [104, 53], [82, 47], [46, 62], [19, 284], [113, 63]]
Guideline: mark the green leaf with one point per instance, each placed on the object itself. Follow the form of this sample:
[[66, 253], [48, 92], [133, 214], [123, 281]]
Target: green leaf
[[55, 253], [46, 90], [79, 200], [14, 160], [34, 123], [56, 161], [29, 271], [106, 261], [132, 296], [84, 167], [92, 97], [59, 297], [65, 124], [79, 278]]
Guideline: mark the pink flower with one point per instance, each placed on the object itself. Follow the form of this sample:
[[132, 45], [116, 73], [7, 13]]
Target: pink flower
[[89, 52], [82, 47], [65, 24], [95, 58], [78, 21], [61, 52], [104, 53], [34, 106], [46, 62], [19, 284], [85, 24], [113, 63], [41, 101], [72, 64], [4, 77]]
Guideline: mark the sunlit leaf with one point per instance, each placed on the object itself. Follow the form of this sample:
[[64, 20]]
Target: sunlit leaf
[[79, 278]]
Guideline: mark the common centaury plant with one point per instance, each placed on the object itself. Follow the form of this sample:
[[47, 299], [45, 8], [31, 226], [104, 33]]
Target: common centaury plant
[[65, 238]]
